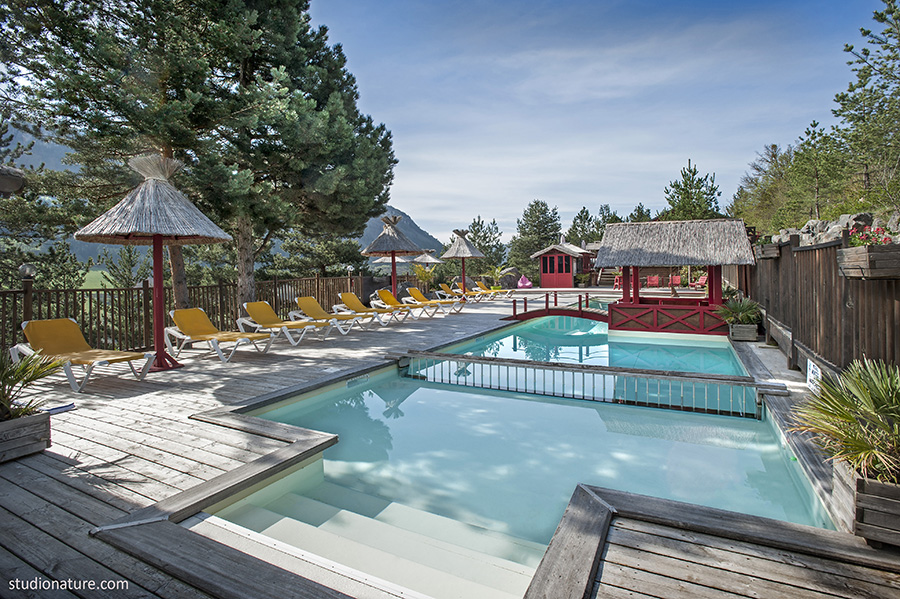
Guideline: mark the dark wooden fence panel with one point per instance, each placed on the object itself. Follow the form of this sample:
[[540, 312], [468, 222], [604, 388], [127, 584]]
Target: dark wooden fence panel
[[831, 318], [121, 318]]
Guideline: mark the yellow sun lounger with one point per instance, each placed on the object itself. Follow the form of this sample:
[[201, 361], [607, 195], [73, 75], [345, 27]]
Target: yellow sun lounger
[[193, 325], [263, 318], [311, 309], [353, 305], [494, 292], [61, 339], [447, 306], [454, 293], [388, 300]]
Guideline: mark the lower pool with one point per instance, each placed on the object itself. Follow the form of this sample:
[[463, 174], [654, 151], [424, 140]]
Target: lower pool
[[455, 493]]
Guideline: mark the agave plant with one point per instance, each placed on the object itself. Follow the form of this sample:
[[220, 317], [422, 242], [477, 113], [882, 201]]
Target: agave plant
[[857, 419], [739, 311], [15, 377]]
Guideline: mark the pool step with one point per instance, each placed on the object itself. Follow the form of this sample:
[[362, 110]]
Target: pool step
[[415, 520], [423, 567]]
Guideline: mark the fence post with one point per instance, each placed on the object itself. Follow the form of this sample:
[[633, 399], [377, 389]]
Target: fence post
[[792, 360], [221, 316], [555, 299], [28, 299], [145, 295], [547, 302], [275, 293]]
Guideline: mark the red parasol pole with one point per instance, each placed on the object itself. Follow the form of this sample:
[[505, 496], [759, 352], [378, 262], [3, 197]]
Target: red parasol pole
[[394, 273], [163, 360], [464, 276]]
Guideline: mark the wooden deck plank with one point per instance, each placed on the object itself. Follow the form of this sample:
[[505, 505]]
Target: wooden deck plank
[[605, 591], [64, 525], [733, 568], [790, 561], [657, 585], [12, 570], [57, 561]]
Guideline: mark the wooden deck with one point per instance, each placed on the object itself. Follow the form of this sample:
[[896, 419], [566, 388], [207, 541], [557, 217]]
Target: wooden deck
[[129, 445]]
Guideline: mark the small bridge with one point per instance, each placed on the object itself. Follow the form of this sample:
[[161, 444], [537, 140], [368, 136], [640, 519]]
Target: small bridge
[[582, 310]]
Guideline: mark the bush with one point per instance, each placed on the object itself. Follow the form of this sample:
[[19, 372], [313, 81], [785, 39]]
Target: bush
[[739, 311], [857, 419]]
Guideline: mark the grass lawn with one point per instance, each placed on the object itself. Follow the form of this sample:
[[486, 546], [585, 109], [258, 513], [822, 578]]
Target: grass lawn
[[93, 279]]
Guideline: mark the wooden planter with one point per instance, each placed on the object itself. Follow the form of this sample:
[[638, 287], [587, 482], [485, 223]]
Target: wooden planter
[[742, 332], [765, 252], [870, 262], [23, 436], [877, 511]]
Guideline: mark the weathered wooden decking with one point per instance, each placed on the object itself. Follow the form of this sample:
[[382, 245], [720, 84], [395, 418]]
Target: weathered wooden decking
[[131, 444]]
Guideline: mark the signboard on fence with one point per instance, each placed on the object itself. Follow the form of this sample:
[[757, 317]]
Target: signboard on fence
[[813, 376]]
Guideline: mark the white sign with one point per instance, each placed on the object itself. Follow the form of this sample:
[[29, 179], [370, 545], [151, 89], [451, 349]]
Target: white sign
[[813, 376]]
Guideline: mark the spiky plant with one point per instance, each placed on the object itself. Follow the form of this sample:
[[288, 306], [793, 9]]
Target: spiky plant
[[739, 311], [857, 418], [15, 377]]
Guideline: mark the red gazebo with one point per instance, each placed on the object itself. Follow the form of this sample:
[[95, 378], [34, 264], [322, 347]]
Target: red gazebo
[[632, 246]]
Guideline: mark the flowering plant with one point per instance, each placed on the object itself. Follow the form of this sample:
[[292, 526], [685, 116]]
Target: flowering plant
[[869, 236]]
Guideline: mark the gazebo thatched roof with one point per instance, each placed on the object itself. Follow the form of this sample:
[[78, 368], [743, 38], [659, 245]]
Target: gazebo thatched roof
[[462, 247], [392, 240], [154, 207], [675, 243]]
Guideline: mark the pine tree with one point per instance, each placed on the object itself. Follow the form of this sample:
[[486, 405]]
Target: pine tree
[[639, 215], [322, 255], [606, 216], [693, 197], [538, 228], [487, 238], [820, 171], [585, 228]]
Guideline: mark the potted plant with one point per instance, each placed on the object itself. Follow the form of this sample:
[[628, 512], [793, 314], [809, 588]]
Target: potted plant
[[583, 279], [494, 273], [24, 429], [855, 419], [872, 255], [424, 275], [742, 316]]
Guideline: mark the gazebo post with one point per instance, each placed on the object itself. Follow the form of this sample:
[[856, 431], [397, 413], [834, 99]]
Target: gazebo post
[[463, 275], [626, 284], [636, 284], [163, 360]]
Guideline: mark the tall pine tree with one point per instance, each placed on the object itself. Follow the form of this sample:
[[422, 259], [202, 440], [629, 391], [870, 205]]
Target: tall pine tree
[[692, 197], [538, 228]]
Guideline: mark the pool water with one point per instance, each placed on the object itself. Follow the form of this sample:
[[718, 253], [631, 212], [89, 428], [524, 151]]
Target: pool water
[[573, 340], [492, 472]]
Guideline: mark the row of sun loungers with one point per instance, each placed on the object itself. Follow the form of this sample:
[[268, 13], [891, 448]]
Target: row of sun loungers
[[61, 339]]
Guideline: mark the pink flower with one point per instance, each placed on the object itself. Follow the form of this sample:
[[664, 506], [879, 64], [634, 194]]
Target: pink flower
[[867, 227], [886, 240], [879, 230], [853, 231]]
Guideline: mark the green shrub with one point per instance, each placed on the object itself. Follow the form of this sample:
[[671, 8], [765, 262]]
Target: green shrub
[[739, 311], [15, 377]]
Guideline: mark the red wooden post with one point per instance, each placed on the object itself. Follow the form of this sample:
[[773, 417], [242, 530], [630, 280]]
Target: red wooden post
[[514, 307], [547, 302], [626, 284], [636, 284], [163, 360], [524, 305], [555, 298], [394, 273], [580, 308]]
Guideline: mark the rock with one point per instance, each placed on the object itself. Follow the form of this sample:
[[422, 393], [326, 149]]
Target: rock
[[833, 233], [470, 283], [509, 277], [893, 223], [814, 226]]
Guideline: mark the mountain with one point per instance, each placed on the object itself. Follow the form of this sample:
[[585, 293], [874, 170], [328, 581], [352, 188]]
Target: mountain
[[407, 226]]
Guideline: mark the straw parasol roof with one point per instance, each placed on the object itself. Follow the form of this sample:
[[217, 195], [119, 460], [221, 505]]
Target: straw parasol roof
[[427, 258], [675, 243], [11, 180], [462, 247], [392, 241], [387, 260], [154, 207]]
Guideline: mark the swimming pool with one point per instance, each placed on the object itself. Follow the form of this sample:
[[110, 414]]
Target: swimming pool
[[455, 494]]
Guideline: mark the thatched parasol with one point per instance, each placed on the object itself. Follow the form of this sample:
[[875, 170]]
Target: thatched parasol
[[427, 258], [11, 180], [392, 242], [157, 214], [462, 248]]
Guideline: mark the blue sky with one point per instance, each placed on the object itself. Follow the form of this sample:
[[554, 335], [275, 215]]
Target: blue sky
[[494, 103]]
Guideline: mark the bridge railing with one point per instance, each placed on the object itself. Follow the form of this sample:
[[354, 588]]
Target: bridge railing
[[712, 394]]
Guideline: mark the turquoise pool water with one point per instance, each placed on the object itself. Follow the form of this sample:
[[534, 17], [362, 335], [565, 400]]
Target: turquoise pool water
[[573, 340]]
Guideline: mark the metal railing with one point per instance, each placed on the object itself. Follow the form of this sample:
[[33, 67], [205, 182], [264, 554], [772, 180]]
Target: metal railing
[[711, 394]]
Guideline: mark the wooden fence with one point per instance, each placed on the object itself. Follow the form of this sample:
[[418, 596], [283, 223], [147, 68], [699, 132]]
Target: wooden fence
[[814, 312], [121, 318]]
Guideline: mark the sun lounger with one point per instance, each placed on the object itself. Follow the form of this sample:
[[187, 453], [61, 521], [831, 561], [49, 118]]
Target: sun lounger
[[262, 318], [388, 300], [193, 325], [353, 305], [493, 292], [311, 309], [447, 306], [701, 282], [448, 293], [61, 339]]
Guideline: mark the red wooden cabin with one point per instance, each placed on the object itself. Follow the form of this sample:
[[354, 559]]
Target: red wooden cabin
[[559, 263]]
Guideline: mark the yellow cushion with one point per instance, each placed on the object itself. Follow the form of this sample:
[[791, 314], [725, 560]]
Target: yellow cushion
[[312, 308], [263, 314], [193, 322], [354, 303], [56, 336]]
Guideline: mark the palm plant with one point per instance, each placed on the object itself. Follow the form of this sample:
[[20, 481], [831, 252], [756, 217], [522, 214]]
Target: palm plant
[[739, 311], [15, 377], [494, 273], [857, 419]]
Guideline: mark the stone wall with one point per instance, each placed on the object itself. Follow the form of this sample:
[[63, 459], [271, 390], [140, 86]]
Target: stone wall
[[823, 231]]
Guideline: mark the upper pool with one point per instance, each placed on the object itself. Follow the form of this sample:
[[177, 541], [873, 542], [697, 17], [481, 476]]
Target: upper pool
[[580, 341]]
